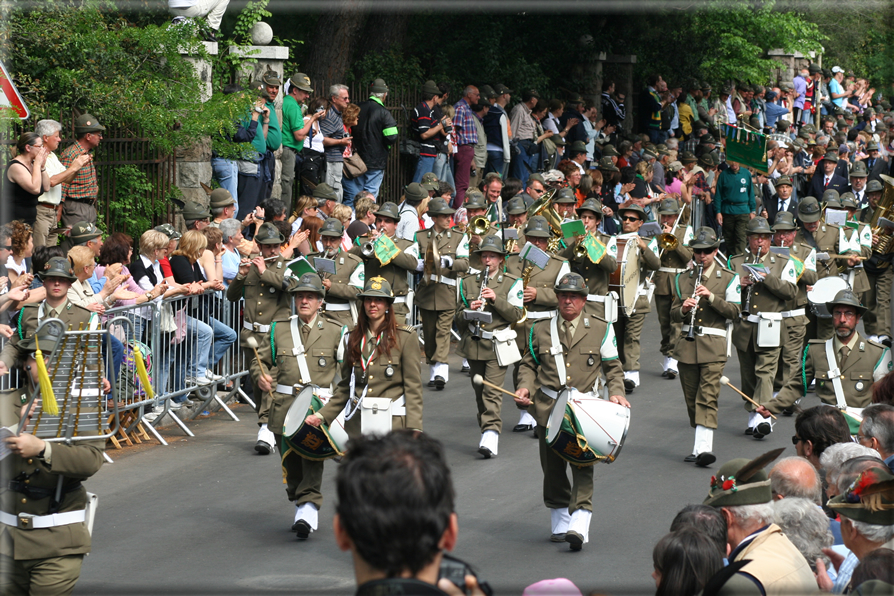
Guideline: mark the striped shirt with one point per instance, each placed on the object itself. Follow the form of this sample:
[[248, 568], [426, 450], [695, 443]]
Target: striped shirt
[[84, 184], [463, 123]]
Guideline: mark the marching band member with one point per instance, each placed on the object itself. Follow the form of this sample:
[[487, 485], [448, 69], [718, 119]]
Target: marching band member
[[343, 286], [476, 207], [588, 352], [706, 296], [565, 202], [517, 211], [854, 239], [877, 320], [303, 350], [597, 265], [822, 238]]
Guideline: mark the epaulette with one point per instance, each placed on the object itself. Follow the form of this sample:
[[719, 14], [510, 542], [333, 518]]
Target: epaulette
[[331, 320], [816, 341], [877, 344], [407, 328]]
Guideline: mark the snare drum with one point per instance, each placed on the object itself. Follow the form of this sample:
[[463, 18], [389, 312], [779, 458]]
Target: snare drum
[[824, 290], [625, 279], [316, 444], [584, 429]]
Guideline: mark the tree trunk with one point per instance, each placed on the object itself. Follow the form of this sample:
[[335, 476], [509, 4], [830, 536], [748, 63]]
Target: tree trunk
[[383, 31], [332, 48]]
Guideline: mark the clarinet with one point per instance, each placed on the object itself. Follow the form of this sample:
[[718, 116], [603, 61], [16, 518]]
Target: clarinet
[[698, 280], [476, 334], [747, 309]]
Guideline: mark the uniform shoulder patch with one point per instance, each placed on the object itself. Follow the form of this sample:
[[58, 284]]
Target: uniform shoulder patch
[[510, 276], [331, 320], [816, 341], [595, 318], [407, 328]]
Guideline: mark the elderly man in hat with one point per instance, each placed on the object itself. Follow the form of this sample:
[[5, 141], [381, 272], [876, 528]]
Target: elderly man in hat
[[195, 216], [858, 178], [294, 130], [845, 366], [571, 351], [80, 192], [386, 255], [431, 130], [306, 353], [374, 134], [865, 504], [445, 259], [342, 279], [875, 165], [769, 282], [825, 177], [489, 345], [266, 285], [742, 491], [706, 301], [222, 205]]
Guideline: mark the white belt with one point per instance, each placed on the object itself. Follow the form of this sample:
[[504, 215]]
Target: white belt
[[442, 279], [798, 312], [256, 327], [706, 331], [595, 298], [290, 390], [542, 314], [336, 307], [549, 392], [26, 521], [671, 270], [400, 300]]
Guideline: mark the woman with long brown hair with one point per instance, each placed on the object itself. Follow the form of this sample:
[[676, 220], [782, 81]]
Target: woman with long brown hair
[[381, 361]]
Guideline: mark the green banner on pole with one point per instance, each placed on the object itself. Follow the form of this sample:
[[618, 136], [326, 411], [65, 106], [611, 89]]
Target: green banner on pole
[[746, 147]]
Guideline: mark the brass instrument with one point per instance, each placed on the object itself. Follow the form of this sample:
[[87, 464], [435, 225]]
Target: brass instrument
[[368, 249], [698, 281], [478, 226], [476, 334], [543, 207], [432, 260], [580, 251], [526, 278], [884, 208], [667, 241], [509, 245]]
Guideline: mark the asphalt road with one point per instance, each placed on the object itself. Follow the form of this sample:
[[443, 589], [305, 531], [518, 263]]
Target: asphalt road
[[206, 515]]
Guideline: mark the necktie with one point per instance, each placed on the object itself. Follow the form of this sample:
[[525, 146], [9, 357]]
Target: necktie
[[783, 205], [305, 332], [842, 356], [871, 163], [828, 179], [568, 334]]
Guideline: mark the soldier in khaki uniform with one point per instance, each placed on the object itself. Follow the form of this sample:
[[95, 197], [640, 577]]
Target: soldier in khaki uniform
[[502, 298], [673, 262], [343, 286], [476, 206], [794, 317], [702, 350], [823, 239], [854, 239], [629, 328], [763, 302], [565, 203], [845, 366], [596, 274], [265, 283], [381, 360], [441, 264], [306, 353], [588, 352], [517, 213], [401, 269], [539, 295], [42, 555], [877, 321]]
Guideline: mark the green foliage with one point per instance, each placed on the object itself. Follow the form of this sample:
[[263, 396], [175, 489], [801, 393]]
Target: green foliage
[[254, 12], [132, 209], [398, 69]]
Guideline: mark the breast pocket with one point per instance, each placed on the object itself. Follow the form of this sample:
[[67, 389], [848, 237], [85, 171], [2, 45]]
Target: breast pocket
[[322, 358], [860, 383]]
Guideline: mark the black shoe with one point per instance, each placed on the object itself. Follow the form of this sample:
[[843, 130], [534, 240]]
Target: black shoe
[[690, 459], [629, 386], [557, 537], [487, 453], [787, 411], [521, 428], [703, 460], [263, 448], [439, 383], [749, 431], [464, 369], [431, 383], [535, 433], [763, 428], [671, 373], [664, 374], [301, 529], [574, 540]]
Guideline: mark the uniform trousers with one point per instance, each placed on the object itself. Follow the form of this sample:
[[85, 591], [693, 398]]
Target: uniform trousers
[[303, 477], [794, 338], [758, 366], [436, 325], [877, 320], [55, 576], [45, 227], [488, 399], [670, 331], [558, 492], [734, 232], [629, 330], [701, 389]]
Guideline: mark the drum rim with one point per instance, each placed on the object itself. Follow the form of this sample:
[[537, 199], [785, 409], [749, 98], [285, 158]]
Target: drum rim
[[622, 265], [313, 391], [565, 392], [616, 452]]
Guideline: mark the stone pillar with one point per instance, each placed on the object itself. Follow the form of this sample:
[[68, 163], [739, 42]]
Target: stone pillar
[[789, 64], [624, 84], [588, 72]]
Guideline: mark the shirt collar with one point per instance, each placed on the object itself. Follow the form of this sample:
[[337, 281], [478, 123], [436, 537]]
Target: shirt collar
[[838, 345], [377, 100]]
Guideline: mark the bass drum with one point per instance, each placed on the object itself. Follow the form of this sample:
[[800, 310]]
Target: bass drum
[[624, 281], [316, 444], [824, 290], [584, 429]]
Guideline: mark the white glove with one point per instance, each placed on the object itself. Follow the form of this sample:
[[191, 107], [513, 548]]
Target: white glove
[[446, 262]]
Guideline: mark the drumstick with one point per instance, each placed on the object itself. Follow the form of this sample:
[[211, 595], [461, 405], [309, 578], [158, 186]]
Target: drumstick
[[725, 381], [479, 380], [253, 344]]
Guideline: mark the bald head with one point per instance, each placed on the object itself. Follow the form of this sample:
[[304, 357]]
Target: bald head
[[795, 477]]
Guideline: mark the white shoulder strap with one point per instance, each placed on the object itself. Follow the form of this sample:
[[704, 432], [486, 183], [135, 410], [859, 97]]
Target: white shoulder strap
[[835, 375], [556, 348], [298, 351]]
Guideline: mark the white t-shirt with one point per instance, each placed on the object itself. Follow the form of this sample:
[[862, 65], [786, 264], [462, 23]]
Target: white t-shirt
[[54, 167], [316, 141]]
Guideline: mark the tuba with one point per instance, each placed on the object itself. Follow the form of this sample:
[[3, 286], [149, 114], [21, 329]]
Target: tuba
[[543, 207], [885, 208]]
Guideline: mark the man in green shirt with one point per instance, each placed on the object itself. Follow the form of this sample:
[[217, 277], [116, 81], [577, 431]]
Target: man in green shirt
[[255, 187], [735, 206], [294, 130]]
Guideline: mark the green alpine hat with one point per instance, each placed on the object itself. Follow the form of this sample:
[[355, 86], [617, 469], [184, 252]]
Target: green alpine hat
[[414, 193], [707, 161], [390, 211], [84, 231], [668, 207], [310, 282], [609, 150], [57, 267], [87, 123], [874, 186], [784, 221], [572, 283], [633, 208], [809, 210], [558, 141], [221, 197], [578, 147], [871, 146], [47, 338], [575, 98], [271, 78], [831, 196], [809, 128], [324, 191], [515, 206], [430, 182], [742, 482], [377, 287], [591, 205], [606, 165], [487, 92], [536, 177], [193, 211], [869, 499], [803, 134], [430, 88], [705, 237], [502, 89], [846, 297], [698, 125], [687, 157], [848, 201], [378, 86], [758, 225], [438, 206], [475, 200], [491, 243], [649, 154], [301, 81], [332, 227], [565, 195], [831, 156], [707, 140], [538, 227], [783, 181], [169, 231], [268, 234]]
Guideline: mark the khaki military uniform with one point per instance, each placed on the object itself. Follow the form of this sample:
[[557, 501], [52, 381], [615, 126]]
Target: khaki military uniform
[[320, 340], [475, 258], [629, 329], [44, 560], [794, 317], [770, 297], [506, 309], [399, 272], [436, 295], [74, 317], [596, 275], [673, 262], [877, 299], [701, 362], [866, 362], [268, 298], [394, 375], [591, 354], [347, 281]]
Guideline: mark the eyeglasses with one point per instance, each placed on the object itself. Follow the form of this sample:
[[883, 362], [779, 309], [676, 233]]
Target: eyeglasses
[[628, 218], [861, 438], [702, 251], [5, 247], [796, 439]]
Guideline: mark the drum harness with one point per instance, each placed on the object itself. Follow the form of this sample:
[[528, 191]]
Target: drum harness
[[556, 351], [835, 375], [300, 355]]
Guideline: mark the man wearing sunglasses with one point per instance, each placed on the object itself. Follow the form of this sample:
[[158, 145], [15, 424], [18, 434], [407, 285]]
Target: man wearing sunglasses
[[710, 302]]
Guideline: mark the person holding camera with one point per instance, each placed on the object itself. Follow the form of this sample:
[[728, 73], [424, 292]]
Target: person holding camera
[[432, 131]]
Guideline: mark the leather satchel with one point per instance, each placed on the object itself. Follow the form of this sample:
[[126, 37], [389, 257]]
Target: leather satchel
[[354, 166]]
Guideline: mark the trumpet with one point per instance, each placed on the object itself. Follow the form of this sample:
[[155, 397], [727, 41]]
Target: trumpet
[[478, 225]]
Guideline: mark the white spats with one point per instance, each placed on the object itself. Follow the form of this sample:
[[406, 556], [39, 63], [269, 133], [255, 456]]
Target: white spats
[[309, 513], [559, 519], [527, 419], [704, 440], [580, 523], [490, 440]]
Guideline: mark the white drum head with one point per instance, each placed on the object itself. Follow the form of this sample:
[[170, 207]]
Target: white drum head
[[603, 423], [824, 290], [554, 424], [298, 411]]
